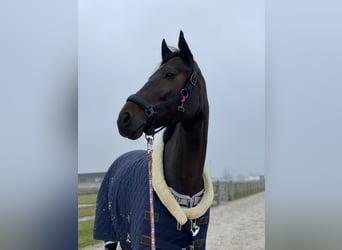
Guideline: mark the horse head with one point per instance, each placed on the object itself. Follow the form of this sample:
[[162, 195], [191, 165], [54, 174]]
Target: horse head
[[172, 94]]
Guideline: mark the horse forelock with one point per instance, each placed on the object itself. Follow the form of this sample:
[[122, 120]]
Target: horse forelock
[[176, 53]]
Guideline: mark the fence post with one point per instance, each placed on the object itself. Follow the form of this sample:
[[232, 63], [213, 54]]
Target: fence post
[[218, 193], [231, 190]]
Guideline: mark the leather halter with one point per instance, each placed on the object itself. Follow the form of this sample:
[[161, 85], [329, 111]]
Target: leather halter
[[151, 111]]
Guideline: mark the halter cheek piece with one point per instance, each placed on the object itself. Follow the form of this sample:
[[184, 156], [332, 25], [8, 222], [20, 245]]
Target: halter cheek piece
[[151, 111]]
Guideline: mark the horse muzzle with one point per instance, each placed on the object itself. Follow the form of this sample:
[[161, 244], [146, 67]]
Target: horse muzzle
[[131, 121]]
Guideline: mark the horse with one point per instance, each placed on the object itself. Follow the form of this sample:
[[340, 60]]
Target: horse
[[174, 98]]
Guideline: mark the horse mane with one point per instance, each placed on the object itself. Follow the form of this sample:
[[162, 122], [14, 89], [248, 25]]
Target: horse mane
[[168, 132]]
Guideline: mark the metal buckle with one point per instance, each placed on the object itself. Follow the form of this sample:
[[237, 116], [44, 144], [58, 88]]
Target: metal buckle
[[150, 112], [193, 79]]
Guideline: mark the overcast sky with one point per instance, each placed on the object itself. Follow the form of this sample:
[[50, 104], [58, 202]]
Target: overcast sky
[[119, 48]]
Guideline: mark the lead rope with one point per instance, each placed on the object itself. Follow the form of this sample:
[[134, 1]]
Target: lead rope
[[149, 139]]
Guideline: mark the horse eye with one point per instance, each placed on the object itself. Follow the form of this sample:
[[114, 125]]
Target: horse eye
[[170, 75]]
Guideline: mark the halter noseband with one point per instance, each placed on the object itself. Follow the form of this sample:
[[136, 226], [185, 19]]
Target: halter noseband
[[151, 111]]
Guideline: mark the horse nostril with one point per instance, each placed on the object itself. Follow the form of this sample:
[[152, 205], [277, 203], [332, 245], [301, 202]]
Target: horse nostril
[[126, 116]]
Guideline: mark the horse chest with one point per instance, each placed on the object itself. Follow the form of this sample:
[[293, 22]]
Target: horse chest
[[122, 212]]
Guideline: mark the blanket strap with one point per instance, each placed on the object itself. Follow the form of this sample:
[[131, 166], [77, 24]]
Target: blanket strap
[[150, 139]]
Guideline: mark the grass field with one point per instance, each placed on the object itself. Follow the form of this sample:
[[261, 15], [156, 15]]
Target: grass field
[[86, 211], [85, 229], [85, 234], [87, 199]]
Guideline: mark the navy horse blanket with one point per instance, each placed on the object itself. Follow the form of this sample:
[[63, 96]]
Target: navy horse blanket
[[122, 209]]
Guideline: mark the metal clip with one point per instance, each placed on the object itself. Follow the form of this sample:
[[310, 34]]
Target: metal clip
[[184, 93], [149, 139], [128, 239], [181, 108], [194, 228]]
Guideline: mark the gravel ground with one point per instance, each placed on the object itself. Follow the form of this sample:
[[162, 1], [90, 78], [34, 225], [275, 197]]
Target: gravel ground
[[234, 225], [238, 225]]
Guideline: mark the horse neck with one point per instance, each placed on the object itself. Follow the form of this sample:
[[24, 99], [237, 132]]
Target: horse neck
[[184, 156]]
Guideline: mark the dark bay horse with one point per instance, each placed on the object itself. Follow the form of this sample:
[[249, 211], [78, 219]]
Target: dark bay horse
[[174, 97]]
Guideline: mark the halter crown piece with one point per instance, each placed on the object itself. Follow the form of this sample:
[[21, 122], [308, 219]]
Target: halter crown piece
[[151, 111]]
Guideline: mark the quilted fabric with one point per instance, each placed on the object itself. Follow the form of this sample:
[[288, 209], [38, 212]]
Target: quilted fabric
[[122, 210]]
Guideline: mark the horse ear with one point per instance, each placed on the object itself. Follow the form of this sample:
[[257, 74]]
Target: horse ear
[[183, 46], [165, 49]]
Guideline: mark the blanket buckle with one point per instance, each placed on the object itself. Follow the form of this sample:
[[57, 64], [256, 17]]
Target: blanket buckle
[[194, 228]]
